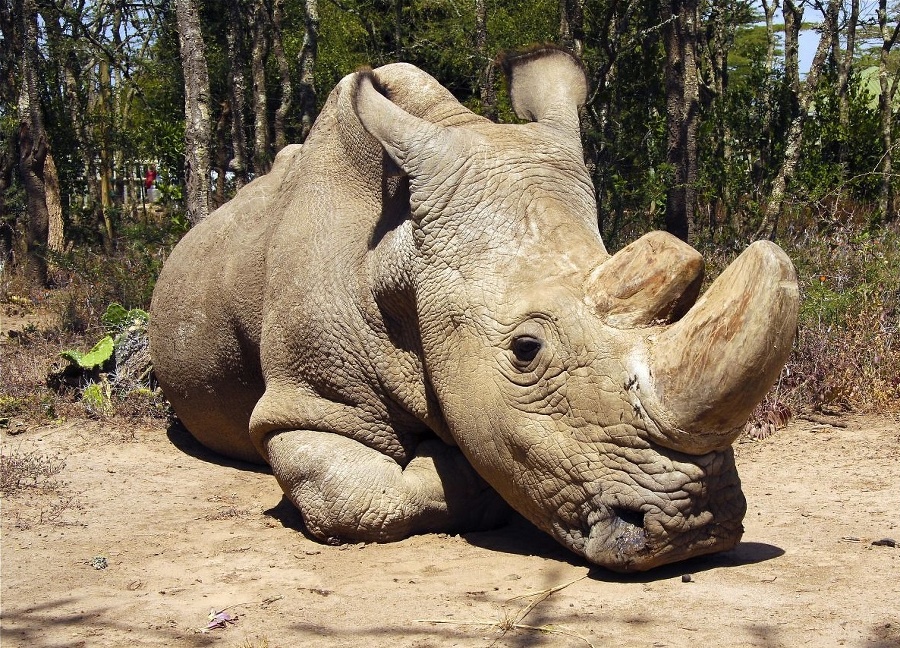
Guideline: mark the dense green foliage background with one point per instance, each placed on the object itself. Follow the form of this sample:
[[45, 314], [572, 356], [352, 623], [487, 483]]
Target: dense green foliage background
[[138, 116], [111, 92]]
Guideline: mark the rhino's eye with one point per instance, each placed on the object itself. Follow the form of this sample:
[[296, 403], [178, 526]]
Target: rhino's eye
[[526, 348]]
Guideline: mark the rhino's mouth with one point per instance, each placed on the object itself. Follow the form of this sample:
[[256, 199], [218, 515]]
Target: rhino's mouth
[[625, 544], [640, 530]]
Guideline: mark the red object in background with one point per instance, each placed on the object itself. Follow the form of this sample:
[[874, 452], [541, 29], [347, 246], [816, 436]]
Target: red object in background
[[150, 178]]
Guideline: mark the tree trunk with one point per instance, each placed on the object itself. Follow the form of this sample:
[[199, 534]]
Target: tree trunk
[[571, 25], [284, 71], [32, 156], [7, 233], [308, 55], [769, 14], [614, 25], [105, 114], [77, 112], [793, 22], [680, 36], [196, 110], [845, 67], [33, 150], [888, 90], [237, 91], [398, 30], [262, 158], [802, 98], [221, 154], [486, 90], [765, 95], [11, 24], [717, 40], [55, 236]]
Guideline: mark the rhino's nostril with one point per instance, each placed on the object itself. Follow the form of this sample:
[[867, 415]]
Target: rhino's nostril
[[634, 518], [630, 537]]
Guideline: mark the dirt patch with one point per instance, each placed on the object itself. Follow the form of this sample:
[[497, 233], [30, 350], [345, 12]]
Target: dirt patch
[[143, 533], [21, 316]]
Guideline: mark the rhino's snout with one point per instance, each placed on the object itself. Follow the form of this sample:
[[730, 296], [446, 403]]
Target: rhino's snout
[[631, 542], [638, 530]]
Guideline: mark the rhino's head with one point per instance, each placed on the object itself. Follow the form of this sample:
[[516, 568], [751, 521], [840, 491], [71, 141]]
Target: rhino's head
[[589, 390]]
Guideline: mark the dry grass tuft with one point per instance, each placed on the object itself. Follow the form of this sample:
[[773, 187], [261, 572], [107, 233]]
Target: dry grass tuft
[[20, 470], [847, 354]]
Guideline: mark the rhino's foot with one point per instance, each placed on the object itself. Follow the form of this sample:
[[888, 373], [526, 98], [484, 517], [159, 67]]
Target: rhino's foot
[[349, 492]]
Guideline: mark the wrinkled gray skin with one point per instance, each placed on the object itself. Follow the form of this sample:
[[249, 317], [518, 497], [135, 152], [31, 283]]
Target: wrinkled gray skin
[[414, 321]]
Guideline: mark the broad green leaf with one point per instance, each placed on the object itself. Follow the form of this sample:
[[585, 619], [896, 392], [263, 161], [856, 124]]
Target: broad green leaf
[[115, 316], [94, 358]]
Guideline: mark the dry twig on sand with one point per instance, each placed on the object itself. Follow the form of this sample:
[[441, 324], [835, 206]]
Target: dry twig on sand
[[514, 622]]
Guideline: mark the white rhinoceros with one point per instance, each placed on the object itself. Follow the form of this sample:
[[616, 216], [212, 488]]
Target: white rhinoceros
[[414, 321]]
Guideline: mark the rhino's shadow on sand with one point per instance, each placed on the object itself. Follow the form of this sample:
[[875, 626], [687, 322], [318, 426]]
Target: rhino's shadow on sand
[[182, 439], [518, 536], [746, 553], [521, 537]]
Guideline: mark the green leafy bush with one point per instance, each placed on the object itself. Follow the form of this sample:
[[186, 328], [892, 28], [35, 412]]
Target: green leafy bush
[[97, 398], [117, 366]]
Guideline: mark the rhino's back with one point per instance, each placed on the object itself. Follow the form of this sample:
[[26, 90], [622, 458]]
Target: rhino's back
[[206, 316], [333, 360], [267, 307]]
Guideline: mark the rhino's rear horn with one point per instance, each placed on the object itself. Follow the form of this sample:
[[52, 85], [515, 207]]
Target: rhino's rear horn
[[654, 280]]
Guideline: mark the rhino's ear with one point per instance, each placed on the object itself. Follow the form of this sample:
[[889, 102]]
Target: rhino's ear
[[417, 146], [547, 85]]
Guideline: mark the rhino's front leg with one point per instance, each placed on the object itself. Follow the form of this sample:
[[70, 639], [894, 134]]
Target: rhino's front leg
[[349, 492]]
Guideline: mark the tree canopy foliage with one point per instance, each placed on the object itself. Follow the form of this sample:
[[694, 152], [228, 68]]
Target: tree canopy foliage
[[699, 119]]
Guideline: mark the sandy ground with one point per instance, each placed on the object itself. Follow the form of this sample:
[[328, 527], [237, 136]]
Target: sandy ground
[[179, 532]]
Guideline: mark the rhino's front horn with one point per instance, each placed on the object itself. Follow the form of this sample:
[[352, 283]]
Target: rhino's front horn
[[708, 371]]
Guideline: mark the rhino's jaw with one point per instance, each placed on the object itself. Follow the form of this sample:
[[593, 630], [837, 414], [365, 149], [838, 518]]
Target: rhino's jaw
[[624, 544], [636, 540], [628, 529]]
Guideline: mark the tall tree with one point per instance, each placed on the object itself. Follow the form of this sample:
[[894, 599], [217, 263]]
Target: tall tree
[[398, 30], [888, 90], [308, 57], [196, 109], [802, 95], [104, 112], [237, 90], [78, 104], [259, 50], [680, 37], [486, 89], [723, 20], [765, 94], [769, 9], [571, 25], [284, 72], [33, 147], [844, 63]]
